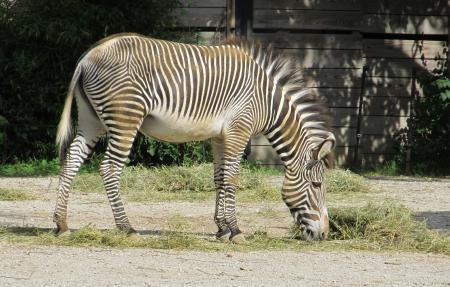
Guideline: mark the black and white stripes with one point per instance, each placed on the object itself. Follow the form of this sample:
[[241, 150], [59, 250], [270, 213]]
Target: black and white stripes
[[177, 92]]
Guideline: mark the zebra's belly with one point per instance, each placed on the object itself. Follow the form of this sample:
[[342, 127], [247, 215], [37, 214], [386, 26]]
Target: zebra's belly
[[171, 129]]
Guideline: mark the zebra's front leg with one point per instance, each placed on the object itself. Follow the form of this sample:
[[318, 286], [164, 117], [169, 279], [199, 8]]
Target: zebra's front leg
[[225, 215], [223, 233], [227, 171]]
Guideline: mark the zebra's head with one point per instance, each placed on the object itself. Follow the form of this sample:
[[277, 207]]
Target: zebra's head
[[312, 216]]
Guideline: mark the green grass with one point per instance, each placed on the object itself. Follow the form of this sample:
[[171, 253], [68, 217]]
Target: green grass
[[35, 167], [195, 183], [372, 228], [11, 194], [262, 169], [182, 183], [386, 227], [30, 168], [187, 183], [390, 168], [44, 167]]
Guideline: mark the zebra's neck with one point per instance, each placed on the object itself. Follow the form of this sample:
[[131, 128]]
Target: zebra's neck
[[288, 134], [294, 136]]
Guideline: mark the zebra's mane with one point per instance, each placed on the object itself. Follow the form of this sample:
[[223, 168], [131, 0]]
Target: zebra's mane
[[287, 74]]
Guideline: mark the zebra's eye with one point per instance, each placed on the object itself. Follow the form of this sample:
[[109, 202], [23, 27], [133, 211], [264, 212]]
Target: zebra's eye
[[316, 184]]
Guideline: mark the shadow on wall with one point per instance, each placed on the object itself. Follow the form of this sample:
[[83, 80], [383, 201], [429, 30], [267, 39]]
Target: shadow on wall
[[334, 41]]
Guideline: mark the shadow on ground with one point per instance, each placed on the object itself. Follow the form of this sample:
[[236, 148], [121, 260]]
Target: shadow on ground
[[35, 231], [437, 220]]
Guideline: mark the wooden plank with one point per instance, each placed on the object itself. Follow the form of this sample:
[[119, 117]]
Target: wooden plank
[[306, 19], [332, 78], [343, 117], [339, 97], [200, 17], [260, 140], [375, 159], [377, 144], [307, 4], [344, 155], [202, 37], [345, 136], [266, 155], [202, 3], [406, 7], [208, 38], [382, 125], [404, 24], [418, 49], [372, 147], [389, 87], [386, 106], [262, 151], [400, 68], [320, 58], [285, 39]]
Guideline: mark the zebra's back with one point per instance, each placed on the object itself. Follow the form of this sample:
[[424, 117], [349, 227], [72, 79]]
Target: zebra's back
[[177, 87]]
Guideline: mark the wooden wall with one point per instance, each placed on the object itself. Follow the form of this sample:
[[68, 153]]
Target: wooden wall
[[333, 40], [208, 18]]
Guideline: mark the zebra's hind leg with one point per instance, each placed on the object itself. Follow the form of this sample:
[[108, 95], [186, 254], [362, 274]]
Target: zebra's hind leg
[[90, 130], [79, 150], [119, 146], [234, 144]]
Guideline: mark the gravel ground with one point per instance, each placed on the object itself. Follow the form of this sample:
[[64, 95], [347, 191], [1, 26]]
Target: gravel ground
[[62, 266], [57, 266]]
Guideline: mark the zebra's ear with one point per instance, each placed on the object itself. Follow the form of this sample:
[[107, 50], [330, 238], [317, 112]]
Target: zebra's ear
[[326, 147]]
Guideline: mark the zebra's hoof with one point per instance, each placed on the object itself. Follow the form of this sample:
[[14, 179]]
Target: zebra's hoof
[[238, 239], [131, 233], [223, 236], [61, 229], [61, 232], [134, 236]]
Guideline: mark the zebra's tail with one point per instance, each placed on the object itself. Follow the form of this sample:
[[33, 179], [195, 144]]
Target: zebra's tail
[[64, 132]]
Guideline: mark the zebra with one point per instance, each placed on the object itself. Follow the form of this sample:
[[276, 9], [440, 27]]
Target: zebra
[[175, 92]]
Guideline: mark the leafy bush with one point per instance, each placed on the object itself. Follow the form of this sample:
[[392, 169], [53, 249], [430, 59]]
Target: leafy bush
[[149, 152], [41, 43], [428, 132]]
